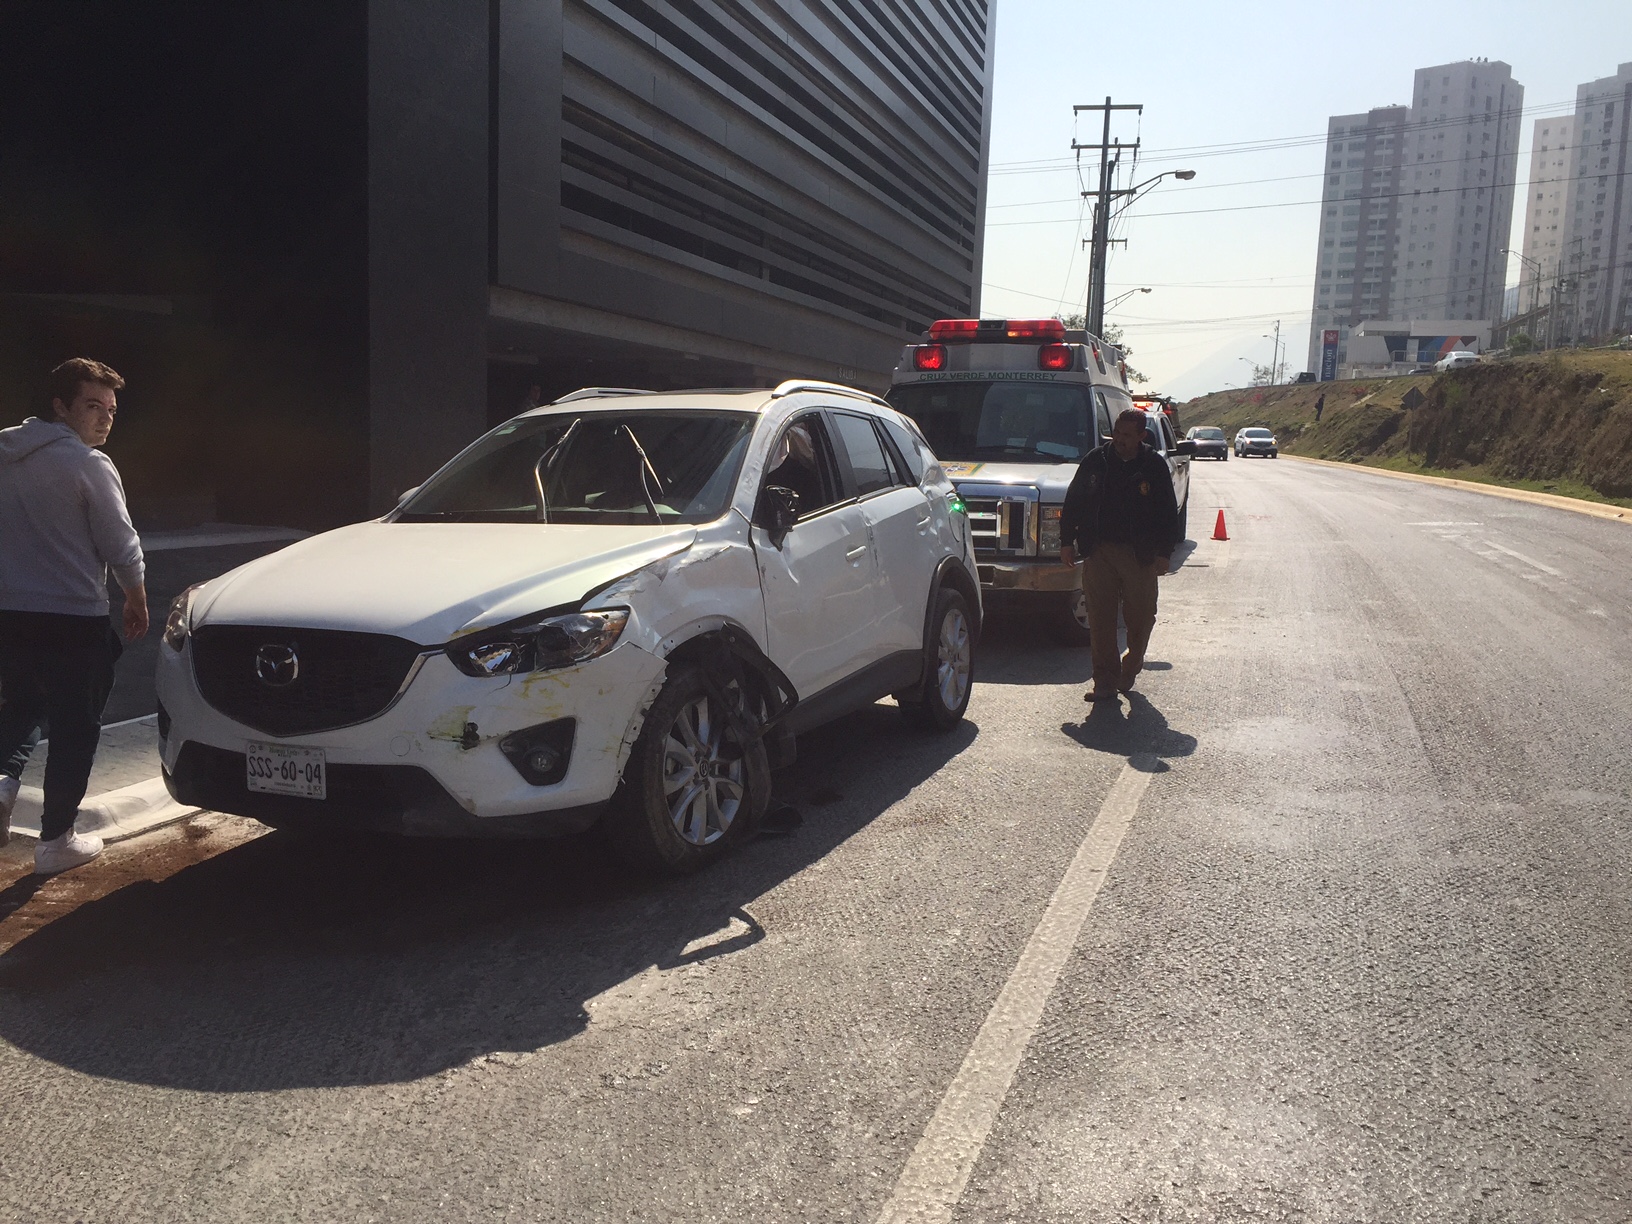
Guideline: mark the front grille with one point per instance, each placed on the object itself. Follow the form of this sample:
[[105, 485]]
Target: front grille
[[341, 677], [1002, 525]]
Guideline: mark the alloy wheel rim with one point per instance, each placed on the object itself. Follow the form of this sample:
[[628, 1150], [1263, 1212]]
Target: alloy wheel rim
[[954, 655], [1079, 608], [702, 786]]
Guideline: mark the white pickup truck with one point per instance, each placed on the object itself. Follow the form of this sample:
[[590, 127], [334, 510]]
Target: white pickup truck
[[1010, 407]]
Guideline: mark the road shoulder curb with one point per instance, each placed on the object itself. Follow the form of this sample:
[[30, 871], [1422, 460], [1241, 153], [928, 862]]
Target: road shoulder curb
[[1557, 501], [113, 815]]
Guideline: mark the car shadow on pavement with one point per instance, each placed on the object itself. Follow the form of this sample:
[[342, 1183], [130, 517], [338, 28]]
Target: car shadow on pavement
[[292, 962], [1139, 732], [1020, 649]]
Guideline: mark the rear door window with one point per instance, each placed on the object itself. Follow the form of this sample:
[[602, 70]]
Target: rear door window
[[870, 469]]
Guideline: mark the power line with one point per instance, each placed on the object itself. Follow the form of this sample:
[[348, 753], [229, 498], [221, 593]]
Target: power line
[[1275, 144], [1334, 200]]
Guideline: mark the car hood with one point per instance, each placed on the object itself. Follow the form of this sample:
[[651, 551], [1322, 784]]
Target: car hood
[[429, 582], [1051, 478]]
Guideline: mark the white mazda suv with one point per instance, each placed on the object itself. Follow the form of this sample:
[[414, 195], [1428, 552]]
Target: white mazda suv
[[617, 608]]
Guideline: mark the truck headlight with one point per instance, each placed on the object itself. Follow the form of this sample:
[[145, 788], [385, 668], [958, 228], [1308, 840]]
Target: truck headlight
[[558, 641], [1048, 531], [180, 621]]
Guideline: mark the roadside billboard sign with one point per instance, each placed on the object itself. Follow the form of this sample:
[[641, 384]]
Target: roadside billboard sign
[[1328, 354]]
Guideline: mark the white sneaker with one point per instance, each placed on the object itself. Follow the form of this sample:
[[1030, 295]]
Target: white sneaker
[[61, 853], [8, 800]]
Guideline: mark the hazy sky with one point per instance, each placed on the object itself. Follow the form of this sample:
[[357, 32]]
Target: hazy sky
[[1214, 77]]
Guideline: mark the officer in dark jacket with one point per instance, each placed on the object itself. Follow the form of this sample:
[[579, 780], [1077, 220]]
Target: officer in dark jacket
[[1122, 519]]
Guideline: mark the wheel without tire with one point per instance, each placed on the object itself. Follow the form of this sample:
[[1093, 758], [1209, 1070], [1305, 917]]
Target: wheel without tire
[[691, 787], [1071, 621], [949, 666]]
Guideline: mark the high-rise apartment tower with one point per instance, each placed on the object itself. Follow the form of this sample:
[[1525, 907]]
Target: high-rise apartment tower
[[1417, 204]]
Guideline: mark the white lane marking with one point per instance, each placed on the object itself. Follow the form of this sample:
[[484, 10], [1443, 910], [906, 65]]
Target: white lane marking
[[1518, 556], [1447, 523], [936, 1173]]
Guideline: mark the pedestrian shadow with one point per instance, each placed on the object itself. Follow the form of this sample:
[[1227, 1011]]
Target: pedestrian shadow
[[19, 892], [1140, 733], [290, 962]]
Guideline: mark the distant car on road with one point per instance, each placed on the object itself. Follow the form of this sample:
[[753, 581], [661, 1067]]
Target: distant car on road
[[1455, 361], [1256, 442], [1210, 442], [1305, 376]]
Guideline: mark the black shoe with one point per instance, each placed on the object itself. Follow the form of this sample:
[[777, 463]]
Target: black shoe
[[1096, 695]]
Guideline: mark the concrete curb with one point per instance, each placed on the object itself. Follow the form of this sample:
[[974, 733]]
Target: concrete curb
[[113, 816], [1596, 509]]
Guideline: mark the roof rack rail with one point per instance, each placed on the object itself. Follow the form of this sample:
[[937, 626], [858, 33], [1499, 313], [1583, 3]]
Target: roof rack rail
[[584, 393], [810, 384]]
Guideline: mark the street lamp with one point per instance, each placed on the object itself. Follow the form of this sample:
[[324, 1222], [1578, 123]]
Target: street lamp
[[1102, 234], [1275, 358], [1535, 285], [1122, 297]]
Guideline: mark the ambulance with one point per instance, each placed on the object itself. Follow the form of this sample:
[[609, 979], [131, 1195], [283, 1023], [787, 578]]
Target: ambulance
[[1009, 407]]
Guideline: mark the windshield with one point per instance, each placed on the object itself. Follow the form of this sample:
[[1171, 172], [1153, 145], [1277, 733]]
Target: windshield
[[1257, 433], [1211, 435], [595, 473], [991, 420]]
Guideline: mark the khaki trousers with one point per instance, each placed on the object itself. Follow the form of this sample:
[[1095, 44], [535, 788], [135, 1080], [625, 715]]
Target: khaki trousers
[[1113, 577]]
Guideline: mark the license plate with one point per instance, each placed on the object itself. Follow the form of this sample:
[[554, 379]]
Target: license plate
[[277, 769]]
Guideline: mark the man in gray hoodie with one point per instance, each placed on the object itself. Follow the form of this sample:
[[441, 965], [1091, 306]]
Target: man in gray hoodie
[[63, 525]]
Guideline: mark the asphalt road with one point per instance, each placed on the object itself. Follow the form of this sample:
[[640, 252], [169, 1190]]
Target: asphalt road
[[1344, 934]]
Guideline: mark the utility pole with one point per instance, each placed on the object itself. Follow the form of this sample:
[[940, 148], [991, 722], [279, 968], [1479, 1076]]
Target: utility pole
[[1102, 209]]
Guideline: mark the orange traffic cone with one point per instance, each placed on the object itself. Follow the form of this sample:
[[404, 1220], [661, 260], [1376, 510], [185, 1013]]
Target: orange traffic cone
[[1218, 530]]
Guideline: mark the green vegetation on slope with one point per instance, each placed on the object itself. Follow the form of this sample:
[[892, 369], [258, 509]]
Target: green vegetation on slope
[[1555, 422]]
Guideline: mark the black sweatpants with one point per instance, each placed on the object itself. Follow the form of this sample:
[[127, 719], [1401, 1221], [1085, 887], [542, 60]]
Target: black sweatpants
[[57, 668]]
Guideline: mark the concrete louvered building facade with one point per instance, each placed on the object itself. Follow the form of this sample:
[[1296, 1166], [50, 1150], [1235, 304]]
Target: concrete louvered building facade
[[383, 222]]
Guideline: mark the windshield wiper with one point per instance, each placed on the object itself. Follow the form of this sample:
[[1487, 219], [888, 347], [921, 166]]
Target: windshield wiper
[[543, 460], [646, 467]]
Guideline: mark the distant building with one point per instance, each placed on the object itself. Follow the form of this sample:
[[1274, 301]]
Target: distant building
[[329, 242], [1598, 258], [1417, 204], [1546, 210], [1385, 346]]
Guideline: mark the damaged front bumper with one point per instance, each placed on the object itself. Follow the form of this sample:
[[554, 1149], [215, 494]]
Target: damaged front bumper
[[435, 762], [1028, 576]]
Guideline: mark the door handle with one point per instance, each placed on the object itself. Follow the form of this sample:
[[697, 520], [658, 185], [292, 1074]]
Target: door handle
[[855, 554]]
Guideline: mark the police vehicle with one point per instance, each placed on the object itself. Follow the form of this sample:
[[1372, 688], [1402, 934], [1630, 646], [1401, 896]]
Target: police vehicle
[[1009, 407]]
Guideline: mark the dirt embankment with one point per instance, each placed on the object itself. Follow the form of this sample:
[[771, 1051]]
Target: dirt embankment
[[1561, 422]]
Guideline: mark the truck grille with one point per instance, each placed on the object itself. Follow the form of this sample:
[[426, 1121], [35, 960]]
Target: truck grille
[[1003, 521], [340, 677]]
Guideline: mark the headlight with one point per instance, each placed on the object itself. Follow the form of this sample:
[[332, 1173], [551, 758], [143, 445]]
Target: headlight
[[1048, 531], [180, 621], [558, 641]]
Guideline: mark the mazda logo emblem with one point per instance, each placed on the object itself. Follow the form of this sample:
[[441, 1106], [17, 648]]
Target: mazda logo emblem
[[277, 665]]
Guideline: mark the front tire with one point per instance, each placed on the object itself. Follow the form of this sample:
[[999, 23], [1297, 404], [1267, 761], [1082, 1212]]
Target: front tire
[[1184, 518], [692, 787], [949, 666]]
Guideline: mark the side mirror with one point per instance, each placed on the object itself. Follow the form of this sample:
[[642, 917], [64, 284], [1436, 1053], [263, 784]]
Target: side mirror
[[1187, 447], [777, 512]]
